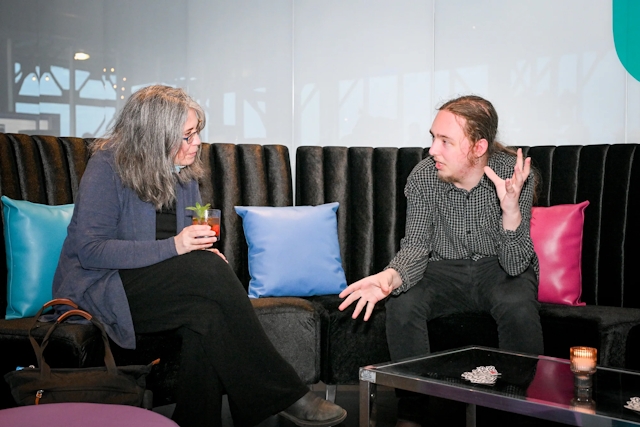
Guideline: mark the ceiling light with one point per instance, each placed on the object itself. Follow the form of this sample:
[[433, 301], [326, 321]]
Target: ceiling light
[[81, 56]]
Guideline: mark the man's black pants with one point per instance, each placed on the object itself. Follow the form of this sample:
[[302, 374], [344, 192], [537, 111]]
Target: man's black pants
[[460, 286]]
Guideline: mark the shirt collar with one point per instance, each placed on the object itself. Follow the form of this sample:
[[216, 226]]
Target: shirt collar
[[485, 182]]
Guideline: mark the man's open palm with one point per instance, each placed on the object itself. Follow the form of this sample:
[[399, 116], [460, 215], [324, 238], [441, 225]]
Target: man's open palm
[[509, 189]]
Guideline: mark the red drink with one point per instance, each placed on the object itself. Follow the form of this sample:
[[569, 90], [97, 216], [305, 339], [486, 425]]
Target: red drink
[[215, 225], [212, 219]]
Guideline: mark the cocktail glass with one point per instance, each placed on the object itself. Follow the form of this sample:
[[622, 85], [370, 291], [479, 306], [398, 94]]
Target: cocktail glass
[[212, 218]]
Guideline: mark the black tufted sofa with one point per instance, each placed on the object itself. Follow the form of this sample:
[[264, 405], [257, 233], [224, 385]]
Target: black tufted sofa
[[46, 169], [322, 343], [369, 184]]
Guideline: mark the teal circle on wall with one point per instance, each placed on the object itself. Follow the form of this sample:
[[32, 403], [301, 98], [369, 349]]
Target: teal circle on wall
[[626, 34]]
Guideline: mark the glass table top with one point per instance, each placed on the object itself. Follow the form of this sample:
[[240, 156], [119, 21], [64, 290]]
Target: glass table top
[[523, 379]]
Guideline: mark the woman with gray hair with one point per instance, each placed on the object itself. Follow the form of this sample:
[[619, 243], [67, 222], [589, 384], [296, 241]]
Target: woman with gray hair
[[133, 259]]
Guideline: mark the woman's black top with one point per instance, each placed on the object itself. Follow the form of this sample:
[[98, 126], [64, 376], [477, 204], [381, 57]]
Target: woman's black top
[[166, 222]]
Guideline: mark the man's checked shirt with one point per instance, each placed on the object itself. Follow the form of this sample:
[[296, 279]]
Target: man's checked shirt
[[446, 222]]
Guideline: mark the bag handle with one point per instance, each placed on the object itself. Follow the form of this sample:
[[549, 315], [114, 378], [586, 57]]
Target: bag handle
[[57, 301], [45, 370]]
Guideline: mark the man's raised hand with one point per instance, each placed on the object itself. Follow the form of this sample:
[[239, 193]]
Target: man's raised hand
[[508, 190]]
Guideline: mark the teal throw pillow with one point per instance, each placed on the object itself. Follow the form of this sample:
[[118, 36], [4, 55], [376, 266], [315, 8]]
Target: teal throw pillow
[[293, 250], [33, 238]]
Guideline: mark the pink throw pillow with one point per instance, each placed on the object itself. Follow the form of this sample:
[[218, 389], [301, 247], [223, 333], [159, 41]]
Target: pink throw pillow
[[556, 232]]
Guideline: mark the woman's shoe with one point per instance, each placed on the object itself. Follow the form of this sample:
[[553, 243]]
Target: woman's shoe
[[312, 411]]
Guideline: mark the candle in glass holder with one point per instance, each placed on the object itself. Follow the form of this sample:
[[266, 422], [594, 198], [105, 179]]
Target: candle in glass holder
[[585, 406], [583, 359]]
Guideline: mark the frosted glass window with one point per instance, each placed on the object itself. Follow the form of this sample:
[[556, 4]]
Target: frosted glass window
[[23, 107], [471, 80], [351, 93], [110, 92], [633, 111], [81, 77], [441, 86], [95, 89], [310, 115], [253, 125], [62, 110], [600, 103], [543, 75], [416, 109], [383, 97], [568, 73], [30, 86], [17, 69], [359, 72], [229, 109], [61, 75], [48, 86], [92, 121]]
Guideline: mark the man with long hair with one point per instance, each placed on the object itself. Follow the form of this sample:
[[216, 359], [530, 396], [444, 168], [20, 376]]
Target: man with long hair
[[467, 246]]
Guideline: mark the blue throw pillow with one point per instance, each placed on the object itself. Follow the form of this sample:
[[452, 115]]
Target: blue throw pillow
[[33, 237], [293, 250]]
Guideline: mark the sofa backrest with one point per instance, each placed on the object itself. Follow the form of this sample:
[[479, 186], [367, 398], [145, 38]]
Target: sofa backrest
[[369, 184], [47, 169]]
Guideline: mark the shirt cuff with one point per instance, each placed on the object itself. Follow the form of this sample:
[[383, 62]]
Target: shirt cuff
[[403, 276], [514, 235]]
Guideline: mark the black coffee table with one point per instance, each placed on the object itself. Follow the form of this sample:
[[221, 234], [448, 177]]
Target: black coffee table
[[542, 387]]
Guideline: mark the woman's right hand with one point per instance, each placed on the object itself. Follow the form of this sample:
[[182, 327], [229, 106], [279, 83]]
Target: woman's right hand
[[194, 238]]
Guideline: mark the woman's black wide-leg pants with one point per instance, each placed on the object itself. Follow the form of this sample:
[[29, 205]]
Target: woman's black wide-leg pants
[[224, 348]]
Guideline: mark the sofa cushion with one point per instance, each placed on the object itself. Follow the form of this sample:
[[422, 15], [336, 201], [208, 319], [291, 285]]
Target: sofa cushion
[[603, 327], [33, 237], [293, 250], [349, 344], [632, 350], [294, 328], [557, 232]]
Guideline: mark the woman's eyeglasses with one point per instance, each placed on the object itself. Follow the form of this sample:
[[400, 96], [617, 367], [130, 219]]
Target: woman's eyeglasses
[[189, 139]]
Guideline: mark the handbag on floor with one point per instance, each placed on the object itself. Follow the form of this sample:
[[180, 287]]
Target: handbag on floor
[[124, 385]]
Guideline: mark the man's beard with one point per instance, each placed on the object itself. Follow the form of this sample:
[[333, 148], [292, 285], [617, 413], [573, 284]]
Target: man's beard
[[448, 179], [451, 179]]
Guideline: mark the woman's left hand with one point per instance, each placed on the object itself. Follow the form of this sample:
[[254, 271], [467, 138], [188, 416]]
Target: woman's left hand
[[193, 238], [220, 254]]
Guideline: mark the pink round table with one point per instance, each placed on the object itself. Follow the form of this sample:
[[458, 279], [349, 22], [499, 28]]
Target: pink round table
[[82, 414]]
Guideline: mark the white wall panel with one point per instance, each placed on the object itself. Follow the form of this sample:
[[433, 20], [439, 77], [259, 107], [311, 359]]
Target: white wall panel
[[633, 110], [322, 72], [240, 64], [362, 72], [549, 67]]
